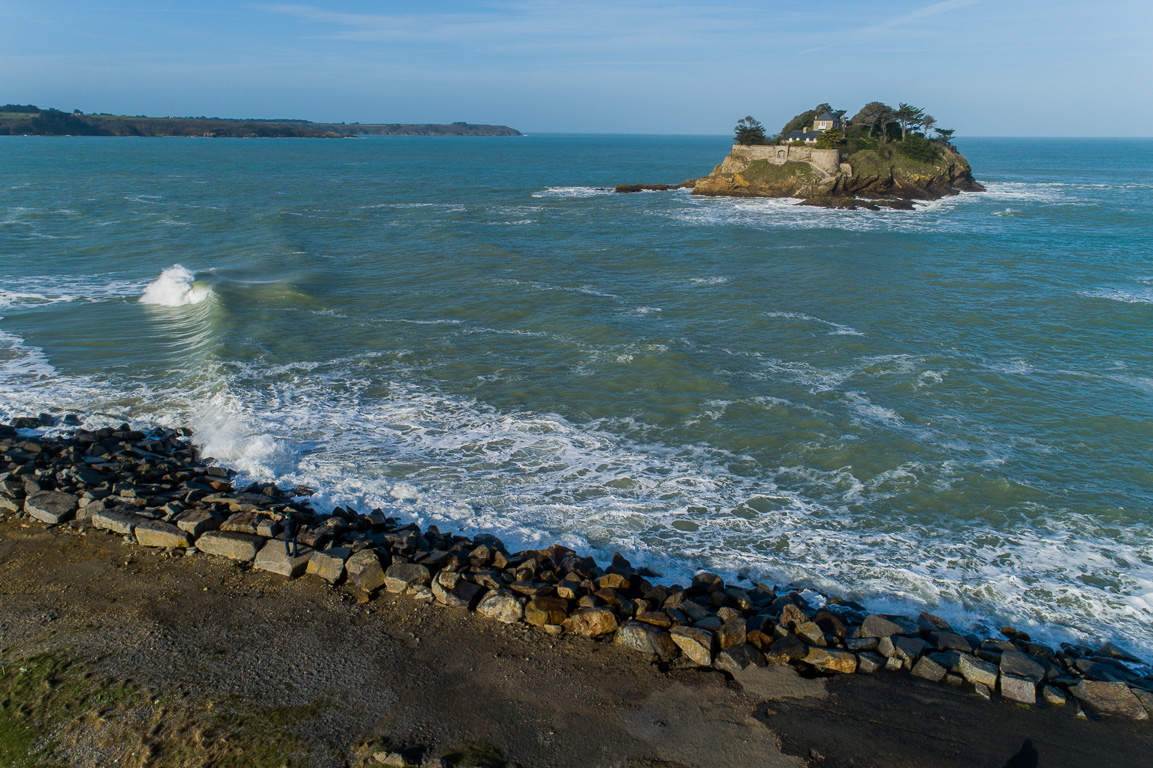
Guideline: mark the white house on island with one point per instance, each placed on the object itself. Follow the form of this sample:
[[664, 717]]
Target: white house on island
[[824, 122]]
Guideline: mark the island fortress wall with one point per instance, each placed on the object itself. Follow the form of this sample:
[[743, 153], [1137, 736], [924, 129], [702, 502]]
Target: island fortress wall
[[825, 160]]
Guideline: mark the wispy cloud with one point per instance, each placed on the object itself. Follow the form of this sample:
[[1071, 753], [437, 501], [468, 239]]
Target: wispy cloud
[[903, 21], [642, 27]]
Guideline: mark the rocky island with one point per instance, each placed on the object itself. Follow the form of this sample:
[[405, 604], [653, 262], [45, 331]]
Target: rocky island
[[882, 157]]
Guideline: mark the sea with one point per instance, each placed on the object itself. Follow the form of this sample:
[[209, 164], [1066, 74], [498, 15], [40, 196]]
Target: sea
[[946, 409]]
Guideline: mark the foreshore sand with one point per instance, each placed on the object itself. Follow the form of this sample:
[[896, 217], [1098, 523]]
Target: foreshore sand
[[116, 653]]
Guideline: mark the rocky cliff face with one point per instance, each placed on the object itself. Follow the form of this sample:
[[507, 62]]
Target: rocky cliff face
[[883, 176]]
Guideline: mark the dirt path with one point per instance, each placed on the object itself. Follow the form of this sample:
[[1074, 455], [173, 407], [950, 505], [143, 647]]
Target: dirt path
[[216, 664]]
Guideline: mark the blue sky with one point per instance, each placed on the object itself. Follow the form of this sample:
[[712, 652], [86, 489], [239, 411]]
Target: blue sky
[[983, 67]]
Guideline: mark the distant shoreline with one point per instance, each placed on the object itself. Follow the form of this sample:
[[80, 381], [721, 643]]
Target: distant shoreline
[[29, 120]]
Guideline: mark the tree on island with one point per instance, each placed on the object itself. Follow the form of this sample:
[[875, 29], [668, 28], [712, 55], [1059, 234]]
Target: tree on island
[[802, 121], [874, 114], [830, 140], [749, 131], [907, 116], [945, 135]]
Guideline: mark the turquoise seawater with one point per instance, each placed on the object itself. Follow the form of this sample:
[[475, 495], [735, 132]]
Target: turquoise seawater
[[949, 408]]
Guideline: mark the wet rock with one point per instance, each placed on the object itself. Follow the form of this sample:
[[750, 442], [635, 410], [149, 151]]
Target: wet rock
[[236, 546], [786, 649], [868, 663], [592, 622], [656, 618], [976, 671], [51, 507], [1114, 699], [1016, 664], [929, 669], [156, 533], [984, 691], [699, 645], [1145, 697], [830, 660], [401, 576], [705, 582], [272, 558], [502, 605], [365, 570], [452, 590], [649, 639], [876, 625], [951, 641], [731, 633], [116, 521], [738, 657], [540, 611], [932, 623]]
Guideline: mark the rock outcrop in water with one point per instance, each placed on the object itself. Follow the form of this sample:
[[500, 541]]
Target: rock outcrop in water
[[873, 177], [152, 488]]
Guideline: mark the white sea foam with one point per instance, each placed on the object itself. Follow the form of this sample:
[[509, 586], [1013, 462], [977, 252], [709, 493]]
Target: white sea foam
[[1123, 295], [573, 192], [175, 287], [838, 329]]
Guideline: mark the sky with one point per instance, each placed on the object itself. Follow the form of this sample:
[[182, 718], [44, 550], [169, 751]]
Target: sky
[[981, 67]]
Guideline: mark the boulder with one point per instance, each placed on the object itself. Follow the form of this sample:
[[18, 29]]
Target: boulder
[[830, 660], [697, 644], [271, 558], [51, 507], [868, 663], [464, 594], [1018, 689], [1052, 696], [400, 576], [592, 622], [786, 649], [876, 625], [811, 633], [157, 533], [196, 522], [904, 649], [929, 669], [731, 633], [236, 546], [1016, 664], [1113, 699], [647, 638], [116, 521], [243, 522], [976, 671], [951, 641], [738, 657], [329, 564], [365, 570], [544, 610], [502, 605]]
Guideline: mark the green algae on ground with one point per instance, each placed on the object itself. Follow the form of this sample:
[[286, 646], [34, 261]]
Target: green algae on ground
[[40, 695]]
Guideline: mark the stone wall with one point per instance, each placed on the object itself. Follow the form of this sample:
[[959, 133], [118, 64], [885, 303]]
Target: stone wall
[[826, 160]]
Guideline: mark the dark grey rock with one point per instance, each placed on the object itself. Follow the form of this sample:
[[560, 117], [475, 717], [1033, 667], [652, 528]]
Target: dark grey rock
[[272, 558], [737, 657], [1018, 689], [51, 507], [365, 570], [1016, 664], [868, 663], [235, 546], [977, 671], [929, 669], [876, 625], [116, 520], [1113, 699], [400, 576]]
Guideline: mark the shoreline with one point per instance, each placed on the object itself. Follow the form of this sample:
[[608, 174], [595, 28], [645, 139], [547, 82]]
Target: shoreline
[[153, 487]]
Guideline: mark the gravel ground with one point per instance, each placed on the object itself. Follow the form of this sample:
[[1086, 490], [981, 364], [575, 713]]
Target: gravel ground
[[196, 635]]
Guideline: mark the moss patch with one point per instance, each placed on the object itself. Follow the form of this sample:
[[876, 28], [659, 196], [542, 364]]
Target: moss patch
[[764, 172], [40, 696]]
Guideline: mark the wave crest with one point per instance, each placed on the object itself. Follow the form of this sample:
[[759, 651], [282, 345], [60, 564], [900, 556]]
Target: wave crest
[[175, 287]]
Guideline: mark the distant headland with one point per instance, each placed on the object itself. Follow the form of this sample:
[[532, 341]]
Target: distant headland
[[882, 157], [29, 120]]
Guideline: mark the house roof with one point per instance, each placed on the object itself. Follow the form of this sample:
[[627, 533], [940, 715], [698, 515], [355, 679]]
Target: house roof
[[828, 116]]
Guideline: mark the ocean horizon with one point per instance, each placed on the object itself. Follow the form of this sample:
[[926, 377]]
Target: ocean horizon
[[945, 409]]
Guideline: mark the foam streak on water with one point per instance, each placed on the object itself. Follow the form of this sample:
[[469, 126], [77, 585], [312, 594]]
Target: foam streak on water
[[947, 408]]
